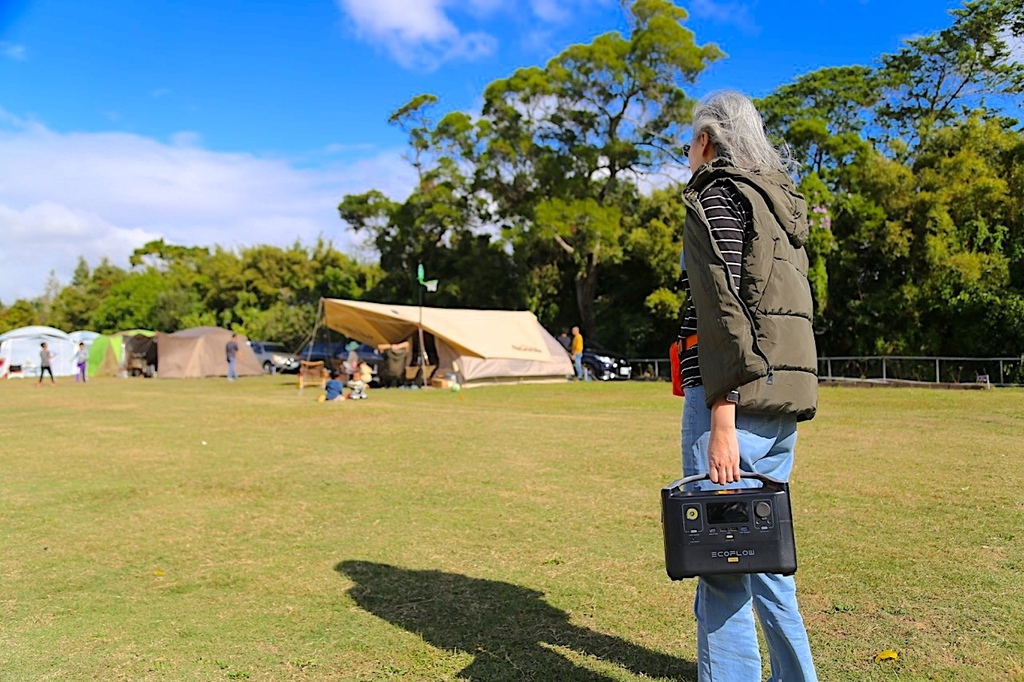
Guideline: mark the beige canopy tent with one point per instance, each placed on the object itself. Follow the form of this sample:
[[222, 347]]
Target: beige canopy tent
[[478, 346], [200, 352]]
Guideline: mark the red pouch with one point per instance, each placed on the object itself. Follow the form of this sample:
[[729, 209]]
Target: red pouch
[[675, 353]]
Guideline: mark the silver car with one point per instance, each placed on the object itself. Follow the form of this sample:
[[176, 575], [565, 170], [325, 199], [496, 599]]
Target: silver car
[[274, 357]]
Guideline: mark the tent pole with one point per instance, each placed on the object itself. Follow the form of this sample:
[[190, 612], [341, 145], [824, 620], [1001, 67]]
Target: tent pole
[[312, 337], [423, 349]]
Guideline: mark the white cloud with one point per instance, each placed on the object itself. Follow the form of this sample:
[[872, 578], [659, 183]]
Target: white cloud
[[563, 11], [422, 34], [550, 10], [1015, 44], [49, 236], [12, 51], [419, 33], [734, 12], [65, 195]]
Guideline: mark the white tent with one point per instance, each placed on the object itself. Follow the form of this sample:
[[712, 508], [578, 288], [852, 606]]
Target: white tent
[[479, 346], [83, 336], [20, 348]]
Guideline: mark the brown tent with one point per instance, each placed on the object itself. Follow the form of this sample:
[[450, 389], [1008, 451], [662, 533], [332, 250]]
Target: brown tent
[[199, 352]]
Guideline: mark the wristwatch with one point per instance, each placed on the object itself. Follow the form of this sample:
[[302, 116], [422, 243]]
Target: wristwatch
[[733, 396]]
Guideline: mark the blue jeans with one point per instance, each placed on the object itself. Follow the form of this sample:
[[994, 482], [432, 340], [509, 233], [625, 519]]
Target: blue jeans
[[577, 363], [727, 648], [232, 374]]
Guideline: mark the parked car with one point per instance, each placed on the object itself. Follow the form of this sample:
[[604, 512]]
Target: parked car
[[331, 354], [605, 365], [274, 357], [599, 362], [369, 355], [334, 354]]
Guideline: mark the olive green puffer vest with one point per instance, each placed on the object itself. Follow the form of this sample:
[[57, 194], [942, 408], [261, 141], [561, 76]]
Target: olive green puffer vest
[[758, 340]]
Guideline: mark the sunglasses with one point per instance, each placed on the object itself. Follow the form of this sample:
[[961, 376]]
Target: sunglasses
[[686, 149]]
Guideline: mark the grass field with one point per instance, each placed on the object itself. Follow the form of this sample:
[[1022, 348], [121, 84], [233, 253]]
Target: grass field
[[201, 530]]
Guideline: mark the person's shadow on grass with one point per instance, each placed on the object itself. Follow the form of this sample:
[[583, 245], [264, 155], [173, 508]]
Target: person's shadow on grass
[[510, 630]]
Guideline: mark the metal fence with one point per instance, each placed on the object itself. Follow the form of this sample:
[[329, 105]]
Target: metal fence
[[651, 369], [885, 368], [942, 370]]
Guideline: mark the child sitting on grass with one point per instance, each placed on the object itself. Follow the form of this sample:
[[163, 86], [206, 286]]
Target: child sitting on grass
[[359, 382], [333, 390]]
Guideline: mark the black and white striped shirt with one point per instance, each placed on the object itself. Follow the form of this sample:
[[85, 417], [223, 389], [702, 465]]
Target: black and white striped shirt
[[730, 221]]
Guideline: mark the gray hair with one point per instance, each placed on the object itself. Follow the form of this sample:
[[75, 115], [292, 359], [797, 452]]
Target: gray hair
[[737, 132]]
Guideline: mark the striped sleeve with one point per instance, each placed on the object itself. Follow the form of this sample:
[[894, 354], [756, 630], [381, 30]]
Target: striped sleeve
[[728, 219]]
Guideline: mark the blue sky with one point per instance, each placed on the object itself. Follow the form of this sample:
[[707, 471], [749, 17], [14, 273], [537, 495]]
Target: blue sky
[[238, 122]]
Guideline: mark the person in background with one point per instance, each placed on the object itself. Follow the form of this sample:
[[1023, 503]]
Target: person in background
[[333, 389], [352, 361], [231, 350], [391, 372], [576, 351], [81, 359], [565, 341], [749, 368], [45, 356]]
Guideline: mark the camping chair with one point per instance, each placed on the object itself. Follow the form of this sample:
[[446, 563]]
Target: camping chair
[[312, 372], [412, 374]]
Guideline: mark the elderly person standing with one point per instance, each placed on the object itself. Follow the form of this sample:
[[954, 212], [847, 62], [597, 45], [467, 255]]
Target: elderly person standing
[[749, 369]]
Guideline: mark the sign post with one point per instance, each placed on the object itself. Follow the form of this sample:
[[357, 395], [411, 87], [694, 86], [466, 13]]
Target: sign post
[[431, 286]]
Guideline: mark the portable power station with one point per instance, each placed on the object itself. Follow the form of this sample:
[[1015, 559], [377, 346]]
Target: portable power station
[[733, 530]]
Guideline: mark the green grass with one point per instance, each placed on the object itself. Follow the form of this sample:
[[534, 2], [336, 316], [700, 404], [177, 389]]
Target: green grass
[[501, 533]]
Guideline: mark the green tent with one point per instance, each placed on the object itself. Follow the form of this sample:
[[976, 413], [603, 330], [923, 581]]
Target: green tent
[[106, 355]]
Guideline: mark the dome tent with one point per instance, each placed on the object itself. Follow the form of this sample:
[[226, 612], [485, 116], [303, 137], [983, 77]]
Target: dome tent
[[83, 336], [199, 352], [20, 348], [106, 354]]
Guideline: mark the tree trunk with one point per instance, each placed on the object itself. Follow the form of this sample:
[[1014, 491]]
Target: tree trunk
[[586, 292]]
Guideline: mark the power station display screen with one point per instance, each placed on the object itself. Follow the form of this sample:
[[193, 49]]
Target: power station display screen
[[728, 512]]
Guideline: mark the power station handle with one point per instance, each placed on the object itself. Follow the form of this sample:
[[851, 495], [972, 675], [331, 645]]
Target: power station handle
[[674, 485]]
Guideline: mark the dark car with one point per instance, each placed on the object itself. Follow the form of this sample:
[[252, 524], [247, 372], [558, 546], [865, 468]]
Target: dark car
[[334, 354], [331, 354], [274, 357], [369, 355], [605, 365]]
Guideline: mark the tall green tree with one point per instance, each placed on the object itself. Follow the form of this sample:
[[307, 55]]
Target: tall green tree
[[133, 303], [822, 116], [558, 149], [73, 306], [918, 243], [438, 225], [21, 313], [641, 304], [264, 291], [933, 79], [910, 167]]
